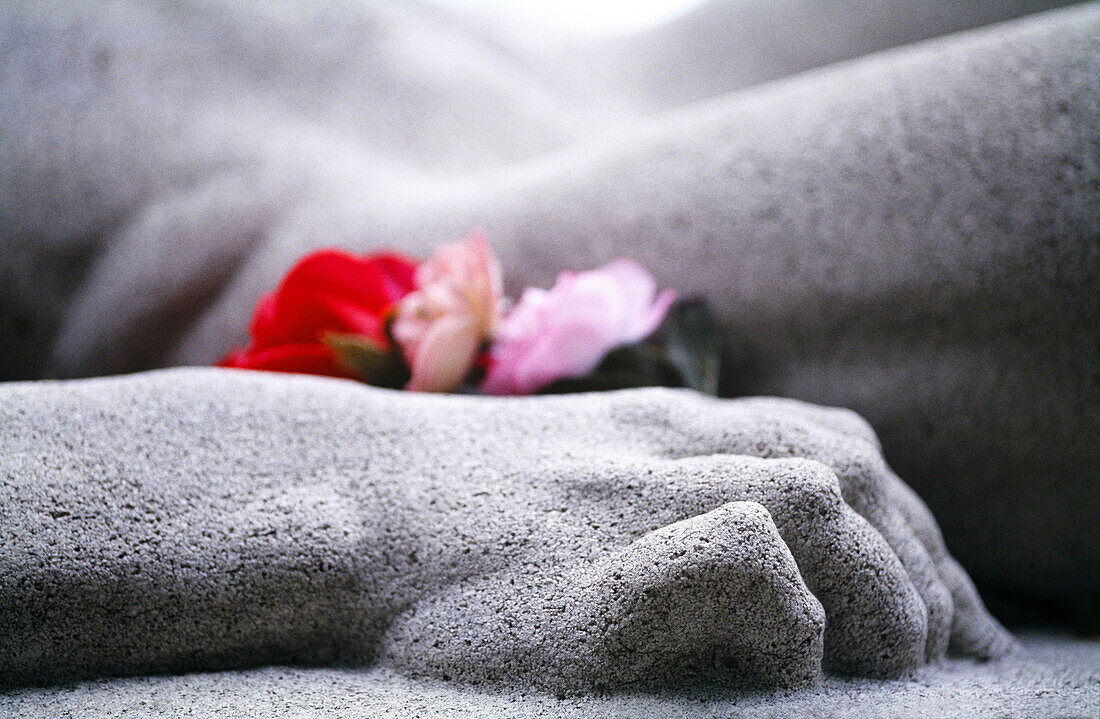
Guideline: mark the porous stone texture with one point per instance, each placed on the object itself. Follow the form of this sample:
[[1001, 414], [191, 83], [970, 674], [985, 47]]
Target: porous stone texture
[[1055, 676], [912, 234], [206, 519]]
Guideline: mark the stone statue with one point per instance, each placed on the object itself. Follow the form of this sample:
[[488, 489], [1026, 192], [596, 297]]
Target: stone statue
[[204, 519]]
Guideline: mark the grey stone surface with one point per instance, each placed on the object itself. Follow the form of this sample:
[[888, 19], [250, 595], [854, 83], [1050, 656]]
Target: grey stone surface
[[1056, 676], [912, 234], [202, 519]]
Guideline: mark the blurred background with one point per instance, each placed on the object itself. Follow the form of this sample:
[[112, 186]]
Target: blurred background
[[591, 18]]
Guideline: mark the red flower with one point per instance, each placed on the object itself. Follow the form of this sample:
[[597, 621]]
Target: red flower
[[328, 291]]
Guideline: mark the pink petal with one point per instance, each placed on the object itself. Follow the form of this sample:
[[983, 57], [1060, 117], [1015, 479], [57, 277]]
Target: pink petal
[[445, 354], [568, 351], [408, 329], [646, 324], [597, 299], [566, 331], [525, 317], [485, 280], [636, 283]]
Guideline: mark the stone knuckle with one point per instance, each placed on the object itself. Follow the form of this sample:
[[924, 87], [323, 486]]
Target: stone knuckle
[[809, 483]]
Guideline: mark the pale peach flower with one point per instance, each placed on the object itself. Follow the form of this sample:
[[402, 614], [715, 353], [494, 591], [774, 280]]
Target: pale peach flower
[[454, 310]]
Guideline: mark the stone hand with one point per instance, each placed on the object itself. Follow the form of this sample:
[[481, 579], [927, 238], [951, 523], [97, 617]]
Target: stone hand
[[202, 519]]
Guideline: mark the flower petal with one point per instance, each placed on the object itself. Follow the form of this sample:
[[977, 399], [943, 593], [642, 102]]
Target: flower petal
[[647, 323], [333, 291], [567, 351], [303, 358], [486, 282], [264, 330], [566, 331], [445, 354]]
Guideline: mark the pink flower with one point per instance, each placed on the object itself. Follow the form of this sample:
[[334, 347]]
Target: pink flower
[[566, 331], [454, 310]]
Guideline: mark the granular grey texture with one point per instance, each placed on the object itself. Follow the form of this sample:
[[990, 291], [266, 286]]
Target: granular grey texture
[[201, 519], [1056, 676], [912, 234]]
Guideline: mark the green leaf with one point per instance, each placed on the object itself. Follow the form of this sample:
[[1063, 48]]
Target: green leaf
[[686, 352], [371, 362], [594, 382], [694, 345], [637, 365]]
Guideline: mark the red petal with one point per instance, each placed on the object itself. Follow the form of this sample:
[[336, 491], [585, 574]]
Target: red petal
[[264, 329], [398, 274], [299, 358], [332, 291], [236, 358]]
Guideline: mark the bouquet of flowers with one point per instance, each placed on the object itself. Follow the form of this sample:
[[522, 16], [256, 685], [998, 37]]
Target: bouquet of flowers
[[444, 325]]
